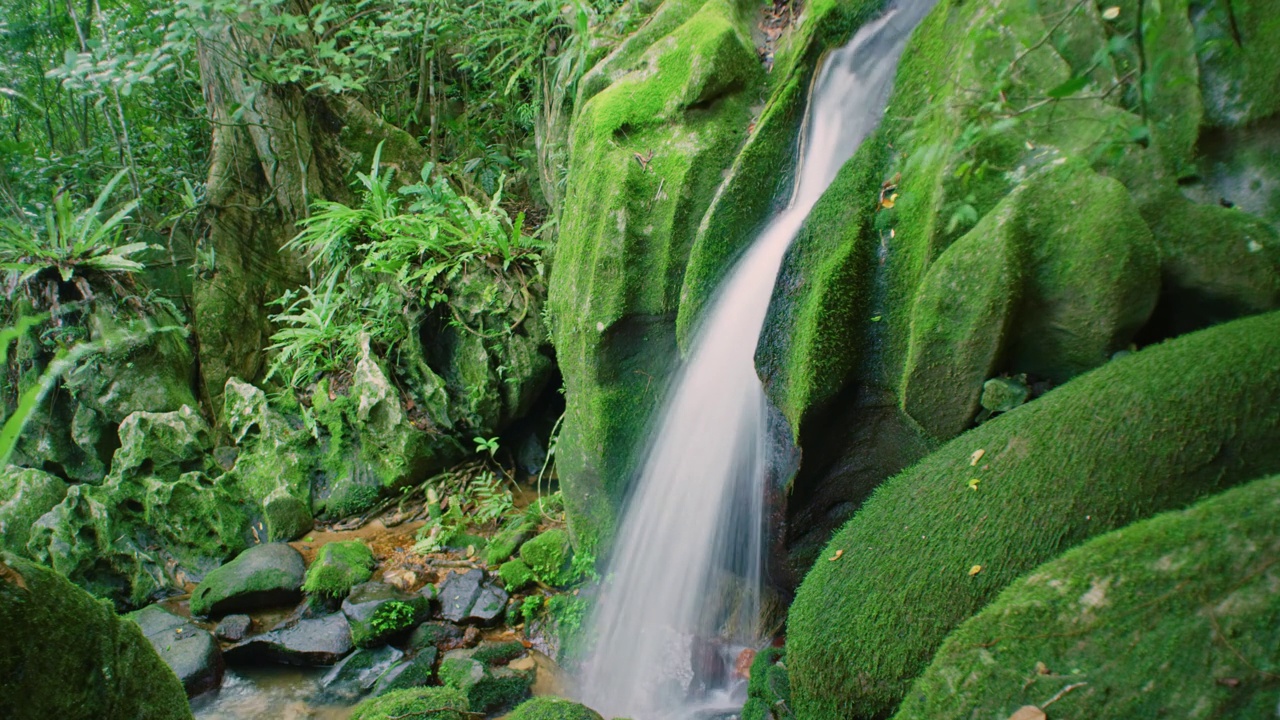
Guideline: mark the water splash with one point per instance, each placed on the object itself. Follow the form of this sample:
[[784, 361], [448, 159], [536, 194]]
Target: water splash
[[683, 593]]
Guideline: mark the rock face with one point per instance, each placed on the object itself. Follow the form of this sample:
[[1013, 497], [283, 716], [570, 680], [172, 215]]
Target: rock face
[[379, 612], [25, 495], [188, 650], [66, 655], [1151, 431], [1200, 581], [678, 93], [317, 641], [260, 577]]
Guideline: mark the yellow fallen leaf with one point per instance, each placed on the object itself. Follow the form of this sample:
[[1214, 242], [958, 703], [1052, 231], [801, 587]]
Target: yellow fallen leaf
[[973, 483], [975, 570], [1028, 712], [976, 456], [1111, 13], [1041, 668], [836, 557]]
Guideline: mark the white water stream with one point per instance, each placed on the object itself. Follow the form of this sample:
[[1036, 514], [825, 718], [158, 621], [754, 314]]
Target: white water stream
[[682, 593]]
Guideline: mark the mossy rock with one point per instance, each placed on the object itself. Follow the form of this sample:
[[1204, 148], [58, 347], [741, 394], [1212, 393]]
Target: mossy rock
[[1176, 616], [767, 687], [25, 495], [417, 671], [516, 575], [261, 577], [1149, 432], [435, 703], [165, 444], [338, 567], [486, 688], [274, 461], [549, 556], [379, 612], [67, 655], [103, 537], [515, 531], [1240, 65], [552, 708], [681, 103]]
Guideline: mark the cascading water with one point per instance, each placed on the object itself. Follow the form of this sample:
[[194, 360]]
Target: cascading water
[[683, 588]]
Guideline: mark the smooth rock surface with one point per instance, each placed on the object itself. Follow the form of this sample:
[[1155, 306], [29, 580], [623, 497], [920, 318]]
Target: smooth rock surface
[[188, 650], [322, 641], [261, 577]]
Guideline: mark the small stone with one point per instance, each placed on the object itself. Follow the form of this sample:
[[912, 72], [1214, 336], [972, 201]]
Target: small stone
[[1003, 394], [234, 628]]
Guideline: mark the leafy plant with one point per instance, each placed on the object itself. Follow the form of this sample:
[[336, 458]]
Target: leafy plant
[[391, 616], [489, 445]]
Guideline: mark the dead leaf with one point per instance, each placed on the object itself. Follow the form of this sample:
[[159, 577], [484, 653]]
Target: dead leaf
[[975, 570], [1229, 682], [10, 575], [1041, 668], [976, 456], [836, 557], [1028, 712], [973, 483], [1111, 13]]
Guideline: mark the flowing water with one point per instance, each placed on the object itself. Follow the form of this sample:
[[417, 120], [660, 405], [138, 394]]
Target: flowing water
[[682, 594]]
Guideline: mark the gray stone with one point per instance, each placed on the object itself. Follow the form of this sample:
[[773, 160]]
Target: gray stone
[[233, 628], [415, 672], [472, 598], [438, 635], [262, 576], [377, 612], [322, 641], [358, 672], [190, 651]]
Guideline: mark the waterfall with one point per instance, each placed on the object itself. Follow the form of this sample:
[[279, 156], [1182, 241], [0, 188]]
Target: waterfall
[[682, 592]]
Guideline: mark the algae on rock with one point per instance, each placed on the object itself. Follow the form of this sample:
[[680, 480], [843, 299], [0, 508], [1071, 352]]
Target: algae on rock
[[1172, 616]]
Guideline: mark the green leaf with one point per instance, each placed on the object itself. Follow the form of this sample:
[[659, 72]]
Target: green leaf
[[1070, 87]]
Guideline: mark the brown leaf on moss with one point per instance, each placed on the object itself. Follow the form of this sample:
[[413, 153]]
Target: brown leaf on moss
[[1028, 712]]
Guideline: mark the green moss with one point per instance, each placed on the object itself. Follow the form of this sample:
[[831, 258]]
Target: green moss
[[549, 555], [507, 540], [66, 655], [338, 567], [1240, 76], [25, 495], [1176, 616], [262, 576], [1152, 431], [498, 653], [552, 708], [806, 354], [515, 574], [960, 322], [682, 108], [486, 689], [767, 687], [436, 703]]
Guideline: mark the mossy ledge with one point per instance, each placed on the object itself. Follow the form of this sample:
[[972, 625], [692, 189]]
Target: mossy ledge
[[1176, 616], [1149, 432]]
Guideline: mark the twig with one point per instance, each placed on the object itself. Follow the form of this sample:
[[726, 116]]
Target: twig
[[1062, 692]]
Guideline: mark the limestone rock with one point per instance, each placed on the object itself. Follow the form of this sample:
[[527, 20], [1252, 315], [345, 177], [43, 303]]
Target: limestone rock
[[25, 495]]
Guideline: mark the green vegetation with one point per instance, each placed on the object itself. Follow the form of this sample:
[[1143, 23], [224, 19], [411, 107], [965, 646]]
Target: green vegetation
[[552, 708], [338, 567], [1149, 432], [434, 703], [1178, 611]]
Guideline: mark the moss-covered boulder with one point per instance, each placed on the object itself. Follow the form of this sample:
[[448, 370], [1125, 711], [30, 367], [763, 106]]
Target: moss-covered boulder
[[515, 574], [25, 495], [1239, 66], [338, 567], [417, 671], [1176, 616], [768, 688], [656, 125], [552, 708], [549, 556], [263, 576], [1148, 432], [435, 703], [487, 686], [65, 654]]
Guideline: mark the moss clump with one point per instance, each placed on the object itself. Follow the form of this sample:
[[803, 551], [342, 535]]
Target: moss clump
[[486, 689], [338, 567], [515, 574], [498, 653], [1152, 431], [262, 576], [66, 655], [1176, 616], [549, 556], [507, 540], [768, 687], [435, 703], [552, 708]]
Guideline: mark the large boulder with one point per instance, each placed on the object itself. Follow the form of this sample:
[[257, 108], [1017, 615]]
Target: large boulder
[[25, 495], [1145, 433], [657, 123], [1176, 616], [312, 641], [64, 654], [189, 650], [358, 672], [471, 597], [263, 576]]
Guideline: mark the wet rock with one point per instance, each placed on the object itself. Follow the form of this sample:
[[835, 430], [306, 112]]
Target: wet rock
[[378, 612], [358, 672], [234, 628], [320, 641], [1003, 394], [549, 555], [415, 672], [441, 635], [262, 576], [472, 598], [190, 651], [487, 688]]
